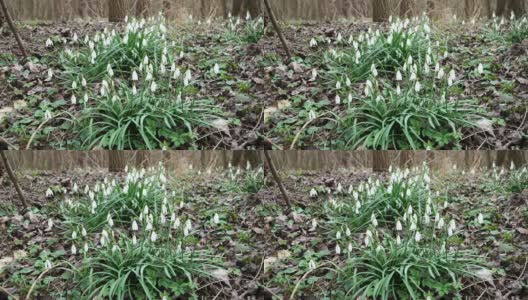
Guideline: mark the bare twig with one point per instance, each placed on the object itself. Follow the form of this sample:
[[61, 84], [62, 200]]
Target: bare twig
[[277, 29], [13, 28], [28, 295], [40, 127], [8, 293], [277, 179], [14, 180]]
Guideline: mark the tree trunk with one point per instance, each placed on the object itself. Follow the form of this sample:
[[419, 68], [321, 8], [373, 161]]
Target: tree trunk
[[430, 8], [142, 8], [406, 8], [240, 7], [380, 161], [116, 161], [381, 10], [117, 10], [517, 6], [223, 6], [506, 7]]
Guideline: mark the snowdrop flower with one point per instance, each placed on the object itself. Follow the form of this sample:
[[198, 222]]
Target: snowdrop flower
[[399, 76], [85, 247], [338, 85], [314, 224], [135, 76], [338, 249], [50, 224], [441, 223], [313, 193], [374, 70], [398, 90], [417, 237], [413, 76], [311, 265], [134, 92], [367, 240], [413, 226], [399, 226], [135, 226], [216, 69], [74, 235], [49, 43], [441, 73], [73, 99], [480, 219], [49, 193], [373, 220], [418, 87], [153, 236], [314, 74], [73, 250], [313, 43], [110, 220], [145, 60], [149, 226], [337, 100], [110, 70], [48, 265], [216, 219], [153, 87], [50, 74], [338, 235], [480, 69]]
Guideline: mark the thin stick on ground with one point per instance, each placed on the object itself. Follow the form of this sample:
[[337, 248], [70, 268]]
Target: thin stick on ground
[[13, 28], [277, 179], [13, 179], [277, 28]]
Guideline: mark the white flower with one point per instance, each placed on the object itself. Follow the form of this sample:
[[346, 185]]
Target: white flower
[[85, 247], [49, 193], [153, 87], [313, 43], [314, 74], [110, 220], [441, 73], [135, 226], [398, 90], [337, 100], [134, 240], [338, 85], [399, 76], [134, 92], [348, 232], [149, 226], [48, 264], [74, 235], [50, 224], [418, 87], [480, 219], [312, 116], [374, 70], [441, 223], [338, 235], [73, 250], [374, 220], [413, 226], [50, 74], [417, 237], [399, 226], [145, 60], [311, 265], [115, 248], [338, 249], [313, 193], [216, 69], [153, 236], [73, 99], [110, 70], [398, 240], [314, 224], [49, 43], [350, 248], [216, 219], [135, 76], [480, 69]]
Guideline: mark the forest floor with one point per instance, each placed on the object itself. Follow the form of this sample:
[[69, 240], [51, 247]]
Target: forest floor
[[265, 101], [266, 252]]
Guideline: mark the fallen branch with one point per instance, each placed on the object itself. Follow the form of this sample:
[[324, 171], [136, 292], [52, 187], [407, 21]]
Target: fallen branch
[[14, 180], [277, 29], [13, 28], [277, 179], [28, 146]]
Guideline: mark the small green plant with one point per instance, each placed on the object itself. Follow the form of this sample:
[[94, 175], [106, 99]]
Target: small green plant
[[134, 241]]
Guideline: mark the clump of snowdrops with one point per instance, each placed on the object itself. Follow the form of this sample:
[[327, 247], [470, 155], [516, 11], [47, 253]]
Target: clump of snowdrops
[[251, 180], [404, 249], [350, 60], [514, 30], [420, 109], [134, 240], [134, 92], [514, 180], [250, 30]]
